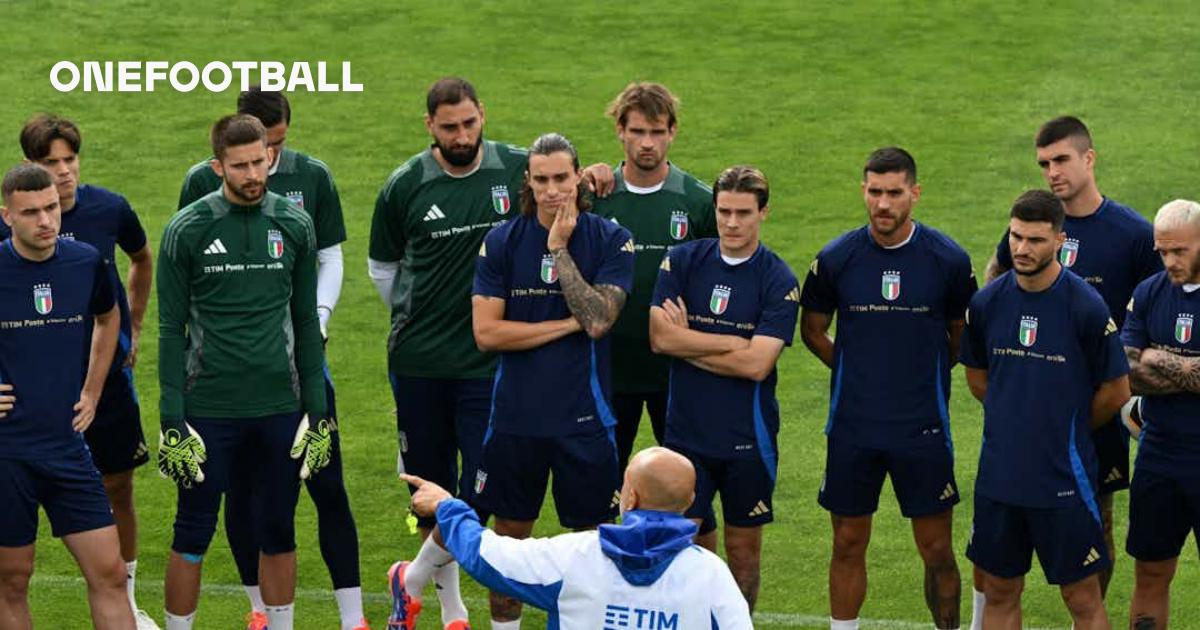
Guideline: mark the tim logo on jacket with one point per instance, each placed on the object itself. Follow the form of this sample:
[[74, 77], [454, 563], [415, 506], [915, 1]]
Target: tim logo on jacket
[[630, 618]]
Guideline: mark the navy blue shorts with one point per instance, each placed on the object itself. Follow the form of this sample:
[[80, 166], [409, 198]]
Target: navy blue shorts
[[1112, 456], [438, 419], [923, 479], [1163, 510], [274, 481], [511, 483], [746, 486], [115, 437], [1069, 541], [68, 487]]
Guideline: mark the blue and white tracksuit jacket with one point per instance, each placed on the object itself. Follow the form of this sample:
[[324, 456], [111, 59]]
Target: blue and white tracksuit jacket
[[644, 574]]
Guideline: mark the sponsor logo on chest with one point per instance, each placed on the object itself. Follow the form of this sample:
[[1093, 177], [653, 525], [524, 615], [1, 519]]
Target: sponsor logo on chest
[[43, 298], [1183, 327], [1027, 333], [274, 243], [890, 285]]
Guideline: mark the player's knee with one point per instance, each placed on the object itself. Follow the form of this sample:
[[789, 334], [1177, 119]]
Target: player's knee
[[1154, 574], [119, 488], [14, 581], [1083, 599], [937, 551], [1002, 592], [850, 542], [503, 607], [193, 533], [278, 537], [108, 576]]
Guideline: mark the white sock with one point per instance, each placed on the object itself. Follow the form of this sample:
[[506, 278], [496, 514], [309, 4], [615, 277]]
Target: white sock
[[130, 574], [349, 601], [179, 622], [420, 570], [255, 595], [977, 602], [445, 579], [507, 625], [843, 624], [280, 617]]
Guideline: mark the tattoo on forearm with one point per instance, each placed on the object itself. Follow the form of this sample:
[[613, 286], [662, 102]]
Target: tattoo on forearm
[[596, 306], [1183, 372], [1145, 380]]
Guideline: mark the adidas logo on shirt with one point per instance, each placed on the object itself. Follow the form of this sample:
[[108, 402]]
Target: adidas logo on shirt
[[1092, 556], [1113, 475], [434, 213], [215, 247], [760, 509], [948, 493]]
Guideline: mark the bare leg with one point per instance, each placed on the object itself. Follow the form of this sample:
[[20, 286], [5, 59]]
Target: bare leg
[[1085, 603], [16, 567], [1106, 519], [119, 488], [943, 589], [708, 541], [98, 554], [182, 584], [505, 608], [743, 548], [277, 577], [1003, 608], [848, 565], [1151, 594]]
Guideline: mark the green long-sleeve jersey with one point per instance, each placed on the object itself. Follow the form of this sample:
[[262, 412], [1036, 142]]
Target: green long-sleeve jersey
[[237, 312]]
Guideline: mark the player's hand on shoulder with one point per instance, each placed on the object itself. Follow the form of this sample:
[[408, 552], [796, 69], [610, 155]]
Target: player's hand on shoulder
[[7, 399], [313, 445], [180, 452], [600, 179]]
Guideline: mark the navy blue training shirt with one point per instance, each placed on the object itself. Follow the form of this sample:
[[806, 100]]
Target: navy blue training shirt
[[562, 387], [1045, 354], [710, 414], [46, 315], [890, 381]]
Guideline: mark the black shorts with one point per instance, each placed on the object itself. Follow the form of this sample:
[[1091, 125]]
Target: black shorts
[[1163, 510], [1069, 541], [746, 486], [68, 488], [115, 437], [511, 482], [923, 479], [1112, 456]]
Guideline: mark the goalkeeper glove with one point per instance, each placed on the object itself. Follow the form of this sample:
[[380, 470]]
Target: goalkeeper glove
[[180, 453], [315, 445]]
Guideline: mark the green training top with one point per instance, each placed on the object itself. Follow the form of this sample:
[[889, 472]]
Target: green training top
[[237, 311], [303, 179], [433, 224], [682, 210]]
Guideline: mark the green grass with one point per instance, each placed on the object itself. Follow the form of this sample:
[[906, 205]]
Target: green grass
[[803, 90]]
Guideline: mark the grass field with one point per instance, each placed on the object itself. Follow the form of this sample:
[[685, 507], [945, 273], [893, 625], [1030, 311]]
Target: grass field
[[803, 90]]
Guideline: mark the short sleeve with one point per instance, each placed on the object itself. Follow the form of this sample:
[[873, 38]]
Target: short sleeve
[[1134, 333], [1101, 342], [1003, 253], [388, 236], [781, 305], [962, 288], [820, 286], [1147, 262], [103, 297], [131, 237], [616, 268], [668, 285], [327, 215], [489, 267], [973, 351]]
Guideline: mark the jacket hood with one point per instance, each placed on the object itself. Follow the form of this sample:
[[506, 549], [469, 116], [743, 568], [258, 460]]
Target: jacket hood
[[645, 543]]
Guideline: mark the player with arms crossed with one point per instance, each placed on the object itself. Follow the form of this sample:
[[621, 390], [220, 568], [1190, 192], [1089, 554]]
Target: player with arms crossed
[[1164, 361], [548, 287], [240, 363], [1109, 245], [724, 309], [54, 295], [900, 290], [306, 182], [662, 206], [1044, 358], [105, 220]]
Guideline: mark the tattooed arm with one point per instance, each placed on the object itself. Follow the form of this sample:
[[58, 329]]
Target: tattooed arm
[[596, 307], [1182, 372], [1147, 378]]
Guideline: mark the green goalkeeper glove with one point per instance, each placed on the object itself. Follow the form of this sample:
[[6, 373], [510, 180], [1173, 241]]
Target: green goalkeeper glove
[[180, 453], [314, 445]]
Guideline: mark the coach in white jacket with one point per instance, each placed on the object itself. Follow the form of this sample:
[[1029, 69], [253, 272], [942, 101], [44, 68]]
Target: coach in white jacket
[[644, 574]]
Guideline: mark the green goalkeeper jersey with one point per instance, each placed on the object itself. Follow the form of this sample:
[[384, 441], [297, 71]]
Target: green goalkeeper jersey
[[681, 210], [433, 224], [237, 311], [303, 179]]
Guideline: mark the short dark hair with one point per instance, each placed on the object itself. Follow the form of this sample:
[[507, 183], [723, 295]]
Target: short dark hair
[[449, 91], [653, 100], [1061, 128], [269, 107], [743, 178], [25, 177], [42, 130], [235, 130], [547, 144], [1039, 206], [892, 160]]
